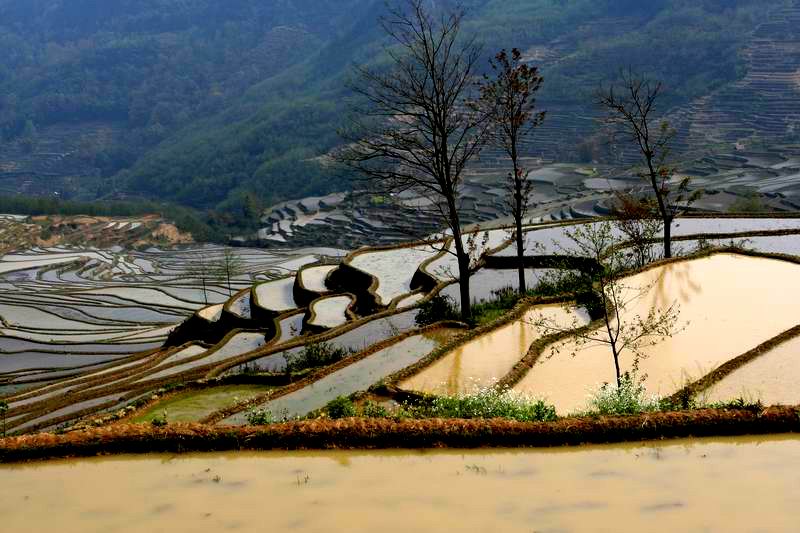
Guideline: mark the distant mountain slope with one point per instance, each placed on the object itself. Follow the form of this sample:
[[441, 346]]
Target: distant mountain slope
[[205, 103]]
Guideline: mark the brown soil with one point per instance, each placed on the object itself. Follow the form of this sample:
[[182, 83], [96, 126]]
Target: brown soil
[[52, 241], [84, 221], [358, 433], [172, 234]]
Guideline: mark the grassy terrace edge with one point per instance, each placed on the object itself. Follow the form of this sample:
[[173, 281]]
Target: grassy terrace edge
[[360, 433]]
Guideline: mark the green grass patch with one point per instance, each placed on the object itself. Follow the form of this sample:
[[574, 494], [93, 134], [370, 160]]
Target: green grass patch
[[194, 405], [503, 301]]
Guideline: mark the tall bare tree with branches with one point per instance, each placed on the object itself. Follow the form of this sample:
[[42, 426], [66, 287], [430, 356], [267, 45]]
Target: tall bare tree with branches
[[633, 114], [413, 132], [508, 99]]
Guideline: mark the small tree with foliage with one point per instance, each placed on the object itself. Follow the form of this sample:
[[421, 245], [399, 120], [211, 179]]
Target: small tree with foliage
[[508, 100], [638, 222], [620, 330]]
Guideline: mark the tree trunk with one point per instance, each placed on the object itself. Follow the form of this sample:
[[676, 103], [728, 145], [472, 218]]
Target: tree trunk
[[466, 304], [521, 256], [667, 239], [463, 275], [616, 367]]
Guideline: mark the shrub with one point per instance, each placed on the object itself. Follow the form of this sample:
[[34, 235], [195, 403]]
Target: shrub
[[503, 300], [160, 421], [315, 356], [563, 282], [741, 403], [259, 417], [487, 403], [438, 308], [372, 409], [627, 399], [684, 399], [341, 407]]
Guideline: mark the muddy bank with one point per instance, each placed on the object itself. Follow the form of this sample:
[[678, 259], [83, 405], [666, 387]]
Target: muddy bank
[[409, 434]]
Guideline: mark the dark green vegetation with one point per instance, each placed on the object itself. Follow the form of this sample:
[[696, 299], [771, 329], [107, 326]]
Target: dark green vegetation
[[315, 356], [436, 309], [441, 308], [488, 403], [630, 399], [229, 105]]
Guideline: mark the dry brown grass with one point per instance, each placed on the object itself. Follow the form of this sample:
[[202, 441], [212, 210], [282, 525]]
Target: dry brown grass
[[361, 433]]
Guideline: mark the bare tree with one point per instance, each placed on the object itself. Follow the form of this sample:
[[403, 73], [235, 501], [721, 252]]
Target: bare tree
[[202, 270], [622, 329], [415, 134], [508, 99], [229, 266], [632, 113]]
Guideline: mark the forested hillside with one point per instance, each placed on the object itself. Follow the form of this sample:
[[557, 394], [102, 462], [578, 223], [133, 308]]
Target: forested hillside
[[228, 105]]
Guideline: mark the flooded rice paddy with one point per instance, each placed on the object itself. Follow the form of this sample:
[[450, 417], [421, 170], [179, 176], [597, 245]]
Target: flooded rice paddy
[[445, 268], [700, 485], [484, 284], [554, 240], [76, 323], [358, 376], [330, 312], [195, 405], [276, 295], [729, 304], [394, 269], [773, 378], [314, 278], [483, 361]]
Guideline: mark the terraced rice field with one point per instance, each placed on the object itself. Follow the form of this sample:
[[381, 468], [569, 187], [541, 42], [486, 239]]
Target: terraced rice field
[[394, 269], [728, 305], [484, 284], [554, 240], [276, 295], [195, 405], [355, 377], [482, 362], [93, 316], [772, 378], [445, 268], [330, 312], [313, 278], [97, 332]]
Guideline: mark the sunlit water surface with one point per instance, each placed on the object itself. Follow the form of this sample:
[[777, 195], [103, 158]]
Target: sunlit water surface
[[729, 304], [743, 484]]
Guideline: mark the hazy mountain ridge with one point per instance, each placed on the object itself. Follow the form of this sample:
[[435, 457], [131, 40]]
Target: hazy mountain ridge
[[202, 102]]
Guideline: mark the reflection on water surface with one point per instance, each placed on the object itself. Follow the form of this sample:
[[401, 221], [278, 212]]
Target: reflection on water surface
[[703, 485], [729, 304]]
